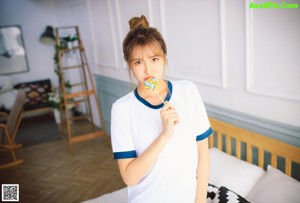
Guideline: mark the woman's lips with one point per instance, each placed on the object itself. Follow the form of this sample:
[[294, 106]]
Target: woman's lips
[[146, 78]]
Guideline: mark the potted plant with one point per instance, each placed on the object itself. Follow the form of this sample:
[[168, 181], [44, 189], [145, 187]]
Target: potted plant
[[54, 98], [55, 101]]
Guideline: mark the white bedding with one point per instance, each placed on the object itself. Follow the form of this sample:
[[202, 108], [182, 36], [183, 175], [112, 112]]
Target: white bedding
[[233, 173], [240, 178]]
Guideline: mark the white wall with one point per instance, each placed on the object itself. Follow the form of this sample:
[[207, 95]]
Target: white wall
[[33, 16], [241, 59]]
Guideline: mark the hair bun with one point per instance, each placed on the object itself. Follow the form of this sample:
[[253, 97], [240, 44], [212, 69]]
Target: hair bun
[[136, 22]]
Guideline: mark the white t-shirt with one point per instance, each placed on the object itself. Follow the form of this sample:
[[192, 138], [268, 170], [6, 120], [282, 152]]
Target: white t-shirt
[[135, 124]]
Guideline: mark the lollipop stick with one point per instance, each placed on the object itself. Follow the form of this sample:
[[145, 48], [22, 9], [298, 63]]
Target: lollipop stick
[[159, 96]]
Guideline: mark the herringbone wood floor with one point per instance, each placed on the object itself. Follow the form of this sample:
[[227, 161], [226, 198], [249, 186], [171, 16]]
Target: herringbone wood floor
[[51, 175]]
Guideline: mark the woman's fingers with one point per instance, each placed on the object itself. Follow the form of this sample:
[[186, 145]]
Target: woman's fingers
[[173, 120], [169, 118], [169, 114], [167, 106]]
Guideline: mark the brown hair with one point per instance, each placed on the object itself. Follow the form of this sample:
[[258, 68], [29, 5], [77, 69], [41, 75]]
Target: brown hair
[[141, 34]]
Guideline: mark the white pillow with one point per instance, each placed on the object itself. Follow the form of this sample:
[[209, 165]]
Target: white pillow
[[275, 186], [233, 173]]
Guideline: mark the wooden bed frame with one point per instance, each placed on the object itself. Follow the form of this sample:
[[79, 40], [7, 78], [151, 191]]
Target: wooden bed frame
[[229, 138], [238, 142]]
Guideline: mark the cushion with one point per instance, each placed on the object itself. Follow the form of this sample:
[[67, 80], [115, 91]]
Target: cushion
[[233, 173], [211, 193], [276, 186], [36, 93], [225, 195]]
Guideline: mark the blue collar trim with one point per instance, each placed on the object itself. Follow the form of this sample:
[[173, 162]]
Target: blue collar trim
[[168, 97]]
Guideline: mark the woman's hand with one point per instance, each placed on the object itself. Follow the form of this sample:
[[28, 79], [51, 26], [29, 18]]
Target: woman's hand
[[170, 118]]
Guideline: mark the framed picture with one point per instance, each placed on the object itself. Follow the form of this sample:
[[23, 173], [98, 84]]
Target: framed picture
[[13, 57]]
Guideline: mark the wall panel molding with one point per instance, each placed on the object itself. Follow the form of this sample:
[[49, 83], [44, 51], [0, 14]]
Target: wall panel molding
[[114, 89], [113, 64], [122, 33], [276, 130], [252, 82], [150, 12], [223, 44], [119, 28], [218, 82], [113, 33], [162, 10]]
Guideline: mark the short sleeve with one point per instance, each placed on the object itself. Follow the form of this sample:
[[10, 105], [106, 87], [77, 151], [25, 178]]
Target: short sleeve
[[202, 125], [121, 138]]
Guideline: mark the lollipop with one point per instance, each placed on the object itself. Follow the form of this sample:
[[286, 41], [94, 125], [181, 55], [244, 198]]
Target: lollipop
[[152, 83]]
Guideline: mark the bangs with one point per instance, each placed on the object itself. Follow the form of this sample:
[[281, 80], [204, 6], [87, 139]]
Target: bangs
[[147, 47], [153, 49]]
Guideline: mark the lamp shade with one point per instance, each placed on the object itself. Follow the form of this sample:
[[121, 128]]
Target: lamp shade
[[48, 37]]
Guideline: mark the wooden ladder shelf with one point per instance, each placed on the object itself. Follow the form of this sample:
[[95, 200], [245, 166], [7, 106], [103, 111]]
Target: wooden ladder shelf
[[76, 86]]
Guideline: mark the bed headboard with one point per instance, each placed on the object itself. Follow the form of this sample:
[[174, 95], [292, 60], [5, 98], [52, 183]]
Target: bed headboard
[[231, 138]]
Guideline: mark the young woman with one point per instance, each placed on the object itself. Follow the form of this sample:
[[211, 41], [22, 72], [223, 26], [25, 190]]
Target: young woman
[[161, 147]]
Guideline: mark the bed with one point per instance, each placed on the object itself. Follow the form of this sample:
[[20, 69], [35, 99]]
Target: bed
[[245, 167]]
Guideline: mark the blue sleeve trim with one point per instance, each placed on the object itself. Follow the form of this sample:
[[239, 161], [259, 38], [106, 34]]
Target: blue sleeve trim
[[125, 155], [204, 135]]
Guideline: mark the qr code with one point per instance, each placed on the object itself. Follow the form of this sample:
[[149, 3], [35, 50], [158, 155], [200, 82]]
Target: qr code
[[10, 192]]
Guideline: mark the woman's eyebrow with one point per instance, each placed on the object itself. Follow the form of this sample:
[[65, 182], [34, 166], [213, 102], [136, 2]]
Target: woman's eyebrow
[[141, 59], [136, 59], [153, 56], [156, 55]]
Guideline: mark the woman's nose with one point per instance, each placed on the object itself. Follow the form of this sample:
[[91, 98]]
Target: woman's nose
[[147, 69]]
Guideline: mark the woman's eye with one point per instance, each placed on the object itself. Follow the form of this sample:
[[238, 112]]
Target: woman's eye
[[138, 62], [155, 59]]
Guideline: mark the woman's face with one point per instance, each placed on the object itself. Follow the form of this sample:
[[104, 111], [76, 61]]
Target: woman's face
[[145, 63]]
